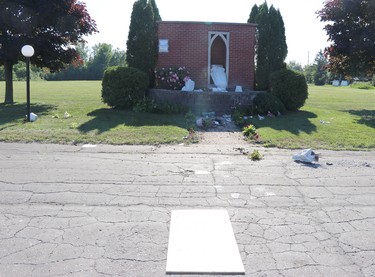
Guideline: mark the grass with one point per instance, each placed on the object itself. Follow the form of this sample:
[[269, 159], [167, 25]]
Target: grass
[[91, 120], [337, 118]]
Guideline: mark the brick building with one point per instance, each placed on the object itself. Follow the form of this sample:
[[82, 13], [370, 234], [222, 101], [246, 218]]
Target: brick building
[[199, 45]]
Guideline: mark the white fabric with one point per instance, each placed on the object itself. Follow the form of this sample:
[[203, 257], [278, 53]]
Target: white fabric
[[189, 85], [219, 77]]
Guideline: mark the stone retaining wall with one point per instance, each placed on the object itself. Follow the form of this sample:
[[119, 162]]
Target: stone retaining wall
[[218, 102]]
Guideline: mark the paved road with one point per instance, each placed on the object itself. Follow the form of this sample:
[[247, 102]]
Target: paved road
[[105, 210]]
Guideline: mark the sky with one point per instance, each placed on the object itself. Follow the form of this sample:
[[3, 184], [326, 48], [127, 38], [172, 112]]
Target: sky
[[304, 32]]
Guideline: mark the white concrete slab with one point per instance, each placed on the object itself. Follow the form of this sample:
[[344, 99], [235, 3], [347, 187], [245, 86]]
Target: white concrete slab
[[202, 242]]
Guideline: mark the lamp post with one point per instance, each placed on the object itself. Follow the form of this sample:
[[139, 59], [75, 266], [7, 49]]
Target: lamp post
[[28, 51]]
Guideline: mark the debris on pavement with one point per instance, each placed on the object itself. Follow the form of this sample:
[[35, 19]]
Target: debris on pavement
[[306, 156]]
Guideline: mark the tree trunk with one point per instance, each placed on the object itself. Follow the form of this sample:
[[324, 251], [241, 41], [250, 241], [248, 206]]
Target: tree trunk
[[8, 68]]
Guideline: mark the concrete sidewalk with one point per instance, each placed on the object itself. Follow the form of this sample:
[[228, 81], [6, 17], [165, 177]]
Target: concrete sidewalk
[[105, 210]]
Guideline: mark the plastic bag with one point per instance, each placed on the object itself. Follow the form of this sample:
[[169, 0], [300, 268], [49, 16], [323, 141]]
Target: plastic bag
[[306, 156]]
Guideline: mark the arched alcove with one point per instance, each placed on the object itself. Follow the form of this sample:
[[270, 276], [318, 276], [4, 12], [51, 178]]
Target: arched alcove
[[218, 52]]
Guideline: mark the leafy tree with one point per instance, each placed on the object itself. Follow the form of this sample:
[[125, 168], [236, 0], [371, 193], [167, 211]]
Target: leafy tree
[[271, 49], [50, 26], [351, 29], [142, 39], [100, 61], [320, 73], [95, 61], [308, 71], [293, 65]]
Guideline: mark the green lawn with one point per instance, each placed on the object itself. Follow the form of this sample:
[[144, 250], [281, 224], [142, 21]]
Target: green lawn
[[339, 118], [91, 120]]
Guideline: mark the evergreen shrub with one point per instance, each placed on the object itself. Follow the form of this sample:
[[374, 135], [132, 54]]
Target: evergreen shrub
[[290, 87], [123, 87], [267, 102]]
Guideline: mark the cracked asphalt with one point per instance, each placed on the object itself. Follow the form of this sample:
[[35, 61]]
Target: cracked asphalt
[[105, 210]]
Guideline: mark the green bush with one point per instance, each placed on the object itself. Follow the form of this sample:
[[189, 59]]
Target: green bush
[[171, 77], [362, 85], [290, 87], [267, 102], [190, 120], [123, 87]]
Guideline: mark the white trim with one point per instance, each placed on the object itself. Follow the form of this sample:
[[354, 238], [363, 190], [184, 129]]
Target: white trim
[[225, 36]]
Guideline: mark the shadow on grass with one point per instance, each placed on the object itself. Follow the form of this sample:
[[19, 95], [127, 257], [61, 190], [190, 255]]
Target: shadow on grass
[[367, 117], [293, 122], [105, 119], [15, 112]]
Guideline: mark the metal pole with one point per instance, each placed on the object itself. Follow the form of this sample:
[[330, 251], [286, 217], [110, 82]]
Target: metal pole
[[28, 87]]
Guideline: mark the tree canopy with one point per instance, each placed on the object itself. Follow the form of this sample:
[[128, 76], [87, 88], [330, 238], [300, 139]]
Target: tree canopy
[[351, 29], [52, 27]]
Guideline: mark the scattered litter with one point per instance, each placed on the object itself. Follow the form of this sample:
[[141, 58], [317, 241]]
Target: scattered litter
[[269, 114], [208, 114], [306, 156], [219, 90], [67, 115], [260, 117], [242, 150], [88, 146], [324, 122], [199, 122], [189, 84], [238, 89], [216, 123], [33, 117]]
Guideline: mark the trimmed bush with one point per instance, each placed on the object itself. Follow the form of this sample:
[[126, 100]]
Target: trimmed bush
[[290, 87], [267, 102], [123, 87]]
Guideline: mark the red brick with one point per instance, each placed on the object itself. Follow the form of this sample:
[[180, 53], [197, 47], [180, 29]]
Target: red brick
[[189, 43]]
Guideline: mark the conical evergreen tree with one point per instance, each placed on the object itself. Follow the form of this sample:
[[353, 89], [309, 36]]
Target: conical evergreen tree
[[142, 39], [271, 49], [155, 10], [262, 72], [253, 14], [277, 47]]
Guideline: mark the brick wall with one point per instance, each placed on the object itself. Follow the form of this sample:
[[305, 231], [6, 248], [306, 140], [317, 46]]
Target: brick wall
[[189, 46]]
